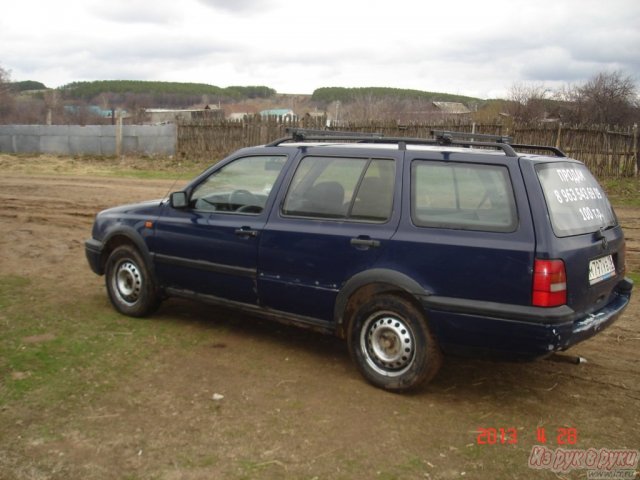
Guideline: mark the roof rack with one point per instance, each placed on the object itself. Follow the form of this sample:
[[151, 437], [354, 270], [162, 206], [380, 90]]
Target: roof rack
[[556, 151], [306, 134], [440, 137], [447, 137]]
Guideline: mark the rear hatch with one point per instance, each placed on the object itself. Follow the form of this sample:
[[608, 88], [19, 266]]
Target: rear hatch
[[584, 234]]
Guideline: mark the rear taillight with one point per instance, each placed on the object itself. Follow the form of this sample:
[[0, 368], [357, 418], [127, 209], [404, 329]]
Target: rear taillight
[[549, 283]]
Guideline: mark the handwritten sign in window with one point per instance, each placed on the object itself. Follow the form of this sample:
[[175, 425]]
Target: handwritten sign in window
[[576, 202]]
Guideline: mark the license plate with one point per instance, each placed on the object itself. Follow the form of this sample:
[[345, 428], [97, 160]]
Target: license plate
[[600, 269]]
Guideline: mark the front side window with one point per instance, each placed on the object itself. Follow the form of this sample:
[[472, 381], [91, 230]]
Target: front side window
[[342, 188], [462, 196], [242, 186]]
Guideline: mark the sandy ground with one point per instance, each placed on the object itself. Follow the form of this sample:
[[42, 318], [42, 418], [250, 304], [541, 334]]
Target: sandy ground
[[294, 406]]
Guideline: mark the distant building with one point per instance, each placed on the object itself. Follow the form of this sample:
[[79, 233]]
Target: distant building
[[169, 115], [284, 113], [238, 116], [316, 114], [94, 110], [451, 108]]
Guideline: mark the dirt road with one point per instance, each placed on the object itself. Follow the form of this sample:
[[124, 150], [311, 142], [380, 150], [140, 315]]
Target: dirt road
[[206, 393]]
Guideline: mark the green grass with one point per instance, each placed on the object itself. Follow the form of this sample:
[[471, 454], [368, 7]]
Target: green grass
[[52, 350], [69, 351], [624, 192]]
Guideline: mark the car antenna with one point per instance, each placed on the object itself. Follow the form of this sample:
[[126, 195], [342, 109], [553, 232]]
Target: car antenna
[[170, 190]]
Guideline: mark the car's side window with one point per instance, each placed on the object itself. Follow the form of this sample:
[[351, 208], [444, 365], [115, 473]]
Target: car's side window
[[462, 196], [374, 198], [242, 186], [342, 188]]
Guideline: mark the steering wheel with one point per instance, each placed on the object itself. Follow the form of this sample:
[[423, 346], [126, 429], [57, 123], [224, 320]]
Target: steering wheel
[[249, 209], [242, 198]]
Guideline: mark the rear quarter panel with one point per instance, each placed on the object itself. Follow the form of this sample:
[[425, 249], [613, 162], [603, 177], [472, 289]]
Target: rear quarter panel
[[576, 251]]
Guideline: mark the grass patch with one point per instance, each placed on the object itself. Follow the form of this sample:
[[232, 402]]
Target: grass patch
[[623, 192], [57, 352]]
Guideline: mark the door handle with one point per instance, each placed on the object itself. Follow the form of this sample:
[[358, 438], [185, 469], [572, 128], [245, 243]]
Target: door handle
[[246, 232], [364, 243]]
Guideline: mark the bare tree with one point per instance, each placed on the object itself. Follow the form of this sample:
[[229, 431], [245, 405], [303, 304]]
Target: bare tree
[[528, 101], [28, 110], [7, 101], [608, 98], [364, 107]]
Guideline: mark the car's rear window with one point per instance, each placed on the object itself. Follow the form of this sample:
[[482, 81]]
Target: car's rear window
[[576, 202]]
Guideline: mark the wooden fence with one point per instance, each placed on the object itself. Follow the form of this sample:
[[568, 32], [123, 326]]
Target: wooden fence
[[607, 152], [202, 139]]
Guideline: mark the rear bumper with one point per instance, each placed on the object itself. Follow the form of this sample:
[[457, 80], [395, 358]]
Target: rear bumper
[[93, 252], [518, 332], [593, 323]]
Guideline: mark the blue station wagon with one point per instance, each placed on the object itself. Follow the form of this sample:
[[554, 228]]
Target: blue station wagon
[[407, 248]]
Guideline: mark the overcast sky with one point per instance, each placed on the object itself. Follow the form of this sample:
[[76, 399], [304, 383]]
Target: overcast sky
[[477, 48]]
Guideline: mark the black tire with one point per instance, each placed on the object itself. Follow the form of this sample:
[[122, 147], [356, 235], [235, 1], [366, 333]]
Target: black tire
[[131, 287], [390, 342]]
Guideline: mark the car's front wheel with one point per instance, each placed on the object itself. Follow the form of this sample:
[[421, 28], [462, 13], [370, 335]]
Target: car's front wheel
[[131, 288], [392, 344]]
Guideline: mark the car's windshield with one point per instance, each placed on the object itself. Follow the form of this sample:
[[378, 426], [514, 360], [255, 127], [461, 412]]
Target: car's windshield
[[577, 203]]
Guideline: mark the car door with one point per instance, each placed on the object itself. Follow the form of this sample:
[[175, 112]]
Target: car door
[[210, 246], [333, 221]]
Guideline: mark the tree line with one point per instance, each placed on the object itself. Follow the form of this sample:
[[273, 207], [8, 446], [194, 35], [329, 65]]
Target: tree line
[[161, 90], [348, 95]]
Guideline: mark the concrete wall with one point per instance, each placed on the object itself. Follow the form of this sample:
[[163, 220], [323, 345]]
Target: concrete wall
[[89, 140]]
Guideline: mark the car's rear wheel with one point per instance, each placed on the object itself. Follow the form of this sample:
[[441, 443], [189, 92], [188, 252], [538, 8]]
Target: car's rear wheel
[[392, 345], [131, 288]]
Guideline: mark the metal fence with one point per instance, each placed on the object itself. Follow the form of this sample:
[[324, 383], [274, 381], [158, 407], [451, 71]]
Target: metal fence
[[105, 140], [607, 152]]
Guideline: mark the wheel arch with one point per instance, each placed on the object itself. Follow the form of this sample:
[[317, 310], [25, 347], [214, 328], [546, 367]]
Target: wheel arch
[[369, 283], [125, 236]]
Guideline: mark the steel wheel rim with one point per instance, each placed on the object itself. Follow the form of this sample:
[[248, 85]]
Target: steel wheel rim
[[387, 344], [127, 282]]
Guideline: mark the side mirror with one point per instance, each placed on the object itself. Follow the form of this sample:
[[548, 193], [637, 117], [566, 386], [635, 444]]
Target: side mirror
[[179, 200]]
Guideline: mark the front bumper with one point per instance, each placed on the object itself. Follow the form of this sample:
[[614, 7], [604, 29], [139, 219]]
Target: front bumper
[[519, 332], [93, 251]]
